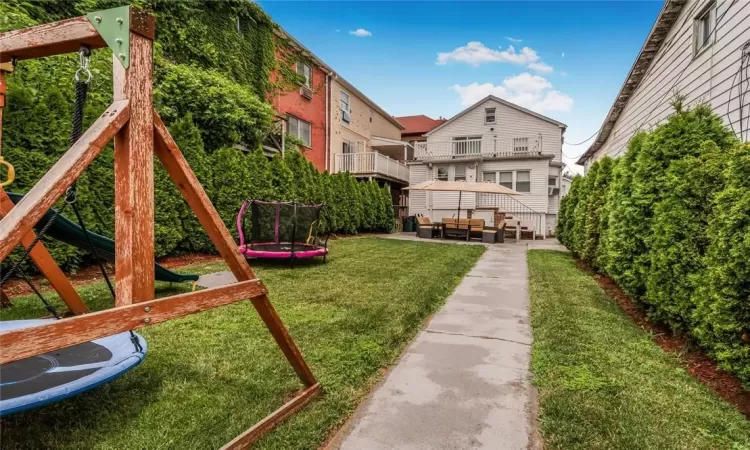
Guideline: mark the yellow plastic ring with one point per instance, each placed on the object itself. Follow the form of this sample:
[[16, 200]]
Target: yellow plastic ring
[[11, 172]]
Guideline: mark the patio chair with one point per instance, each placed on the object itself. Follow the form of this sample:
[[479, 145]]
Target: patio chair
[[476, 226], [527, 226], [426, 229], [513, 226]]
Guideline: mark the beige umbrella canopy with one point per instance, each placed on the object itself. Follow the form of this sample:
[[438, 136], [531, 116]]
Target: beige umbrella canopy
[[461, 187]]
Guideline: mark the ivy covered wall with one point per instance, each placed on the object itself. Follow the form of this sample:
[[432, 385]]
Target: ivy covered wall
[[212, 77]]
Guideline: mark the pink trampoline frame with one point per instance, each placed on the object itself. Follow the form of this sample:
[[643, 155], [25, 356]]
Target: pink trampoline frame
[[246, 249], [250, 253]]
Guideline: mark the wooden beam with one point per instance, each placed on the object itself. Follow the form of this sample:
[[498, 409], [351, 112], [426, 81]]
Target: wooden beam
[[47, 264], [26, 342], [246, 439], [66, 170], [49, 39], [134, 177], [181, 174]]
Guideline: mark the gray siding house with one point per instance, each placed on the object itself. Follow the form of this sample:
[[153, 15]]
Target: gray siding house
[[492, 141], [695, 48]]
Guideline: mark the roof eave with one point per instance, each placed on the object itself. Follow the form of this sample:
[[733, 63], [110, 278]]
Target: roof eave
[[664, 22]]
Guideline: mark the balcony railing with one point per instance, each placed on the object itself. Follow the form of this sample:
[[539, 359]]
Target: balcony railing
[[371, 163], [480, 147]]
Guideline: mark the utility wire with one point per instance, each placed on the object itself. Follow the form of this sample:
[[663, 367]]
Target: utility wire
[[587, 139]]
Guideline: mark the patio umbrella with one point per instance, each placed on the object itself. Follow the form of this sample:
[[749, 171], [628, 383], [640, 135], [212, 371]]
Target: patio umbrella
[[461, 187]]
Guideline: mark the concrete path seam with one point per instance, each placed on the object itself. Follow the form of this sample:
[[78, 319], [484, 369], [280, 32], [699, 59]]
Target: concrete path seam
[[477, 337]]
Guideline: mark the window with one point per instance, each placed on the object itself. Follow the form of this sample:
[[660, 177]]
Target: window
[[552, 182], [523, 181], [346, 109], [521, 145], [347, 147], [489, 115], [442, 173], [459, 173], [304, 70], [488, 177], [505, 179], [299, 128], [703, 27]]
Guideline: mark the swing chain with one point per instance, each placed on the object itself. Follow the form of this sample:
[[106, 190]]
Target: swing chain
[[84, 60]]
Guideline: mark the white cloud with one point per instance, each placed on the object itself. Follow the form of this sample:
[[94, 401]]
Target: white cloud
[[514, 40], [562, 55], [530, 91], [475, 53], [361, 32], [338, 31]]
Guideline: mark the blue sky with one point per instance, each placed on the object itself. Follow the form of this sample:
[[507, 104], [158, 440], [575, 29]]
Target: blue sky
[[567, 61]]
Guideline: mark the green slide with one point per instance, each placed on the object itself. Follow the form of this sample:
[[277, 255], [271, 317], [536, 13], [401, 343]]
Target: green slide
[[69, 232]]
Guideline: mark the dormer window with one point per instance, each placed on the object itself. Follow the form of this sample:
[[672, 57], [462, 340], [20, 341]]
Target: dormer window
[[489, 115]]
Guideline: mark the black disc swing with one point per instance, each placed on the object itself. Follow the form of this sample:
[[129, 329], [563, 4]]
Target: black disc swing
[[50, 377]]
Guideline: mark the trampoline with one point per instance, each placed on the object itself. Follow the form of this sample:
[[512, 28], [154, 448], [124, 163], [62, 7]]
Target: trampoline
[[39, 380], [281, 230]]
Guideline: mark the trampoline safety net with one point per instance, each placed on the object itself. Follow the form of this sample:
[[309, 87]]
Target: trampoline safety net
[[280, 223]]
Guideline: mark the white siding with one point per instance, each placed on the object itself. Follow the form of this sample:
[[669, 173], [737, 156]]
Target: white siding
[[705, 78], [509, 123], [417, 199], [537, 199]]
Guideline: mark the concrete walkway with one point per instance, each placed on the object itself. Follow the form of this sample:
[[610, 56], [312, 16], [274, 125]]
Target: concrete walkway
[[464, 381]]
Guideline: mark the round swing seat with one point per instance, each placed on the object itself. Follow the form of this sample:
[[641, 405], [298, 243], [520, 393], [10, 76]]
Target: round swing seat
[[39, 380]]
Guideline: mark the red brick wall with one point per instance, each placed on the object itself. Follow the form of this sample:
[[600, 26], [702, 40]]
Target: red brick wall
[[312, 111]]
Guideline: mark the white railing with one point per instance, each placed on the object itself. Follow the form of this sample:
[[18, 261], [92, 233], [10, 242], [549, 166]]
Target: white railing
[[371, 163], [486, 146]]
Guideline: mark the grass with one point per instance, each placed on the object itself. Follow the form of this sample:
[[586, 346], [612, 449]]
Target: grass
[[603, 382], [210, 376]]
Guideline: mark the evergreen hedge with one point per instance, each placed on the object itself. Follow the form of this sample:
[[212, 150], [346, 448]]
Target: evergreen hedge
[[211, 85], [670, 223]]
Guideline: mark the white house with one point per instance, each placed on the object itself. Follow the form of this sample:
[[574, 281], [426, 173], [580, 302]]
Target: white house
[[492, 141], [696, 48]]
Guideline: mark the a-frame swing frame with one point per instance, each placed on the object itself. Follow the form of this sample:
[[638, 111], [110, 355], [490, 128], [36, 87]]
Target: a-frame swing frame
[[139, 133]]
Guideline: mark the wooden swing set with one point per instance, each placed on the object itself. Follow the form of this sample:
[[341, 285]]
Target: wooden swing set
[[138, 134]]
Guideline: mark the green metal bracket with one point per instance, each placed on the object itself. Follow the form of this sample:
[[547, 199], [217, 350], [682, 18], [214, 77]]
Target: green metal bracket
[[113, 26]]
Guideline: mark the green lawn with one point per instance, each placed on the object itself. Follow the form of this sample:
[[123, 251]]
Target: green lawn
[[603, 383], [210, 376]]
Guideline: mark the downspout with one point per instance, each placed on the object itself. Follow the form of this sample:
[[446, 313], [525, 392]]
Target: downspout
[[328, 122]]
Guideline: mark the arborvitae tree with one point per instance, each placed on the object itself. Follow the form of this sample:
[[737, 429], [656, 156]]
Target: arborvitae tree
[[622, 244], [387, 212], [680, 136], [188, 138], [567, 215], [722, 314], [680, 238], [232, 182], [282, 179], [580, 215], [601, 255], [600, 181]]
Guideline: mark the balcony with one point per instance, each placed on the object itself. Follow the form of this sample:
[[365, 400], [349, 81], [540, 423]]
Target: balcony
[[371, 164], [479, 147]]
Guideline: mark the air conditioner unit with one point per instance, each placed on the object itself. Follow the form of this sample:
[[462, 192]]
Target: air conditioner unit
[[554, 190], [346, 116], [306, 92]]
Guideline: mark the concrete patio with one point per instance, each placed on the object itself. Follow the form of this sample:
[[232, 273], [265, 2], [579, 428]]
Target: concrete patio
[[464, 381]]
